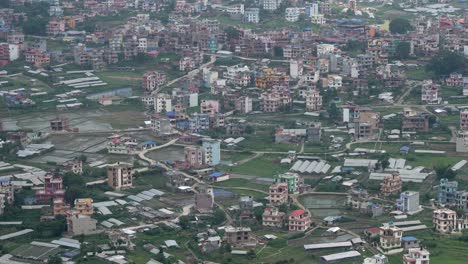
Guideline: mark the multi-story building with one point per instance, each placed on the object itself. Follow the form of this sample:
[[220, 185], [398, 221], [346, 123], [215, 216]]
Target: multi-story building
[[161, 125], [79, 224], [120, 175], [313, 100], [252, 15], [318, 19], [7, 194], [390, 237], [334, 81], [153, 80], [292, 14], [413, 121], [53, 188], [237, 75], [274, 101], [271, 5], [278, 194], [194, 156], [462, 201], [430, 93], [243, 104], [209, 107], [55, 27], [391, 184], [60, 207], [84, 206], [199, 123], [314, 132], [272, 217], [447, 192], [464, 120], [445, 220], [74, 165], [366, 125], [454, 80], [237, 235], [122, 144], [162, 103], [299, 220], [293, 180], [416, 256], [211, 151], [462, 141], [408, 202], [59, 124], [376, 259]]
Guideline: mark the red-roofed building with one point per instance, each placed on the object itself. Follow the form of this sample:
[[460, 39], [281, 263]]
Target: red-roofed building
[[372, 232], [53, 188], [299, 220]]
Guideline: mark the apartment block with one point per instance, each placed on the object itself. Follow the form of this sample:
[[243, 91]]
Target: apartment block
[[272, 217], [390, 237], [391, 185], [120, 175], [313, 100], [299, 220], [408, 202], [278, 194]]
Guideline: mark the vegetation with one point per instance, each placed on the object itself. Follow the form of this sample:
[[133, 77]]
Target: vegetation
[[446, 62], [400, 26]]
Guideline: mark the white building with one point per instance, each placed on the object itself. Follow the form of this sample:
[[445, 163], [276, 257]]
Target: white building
[[376, 259], [296, 68], [313, 100], [142, 44], [408, 202], [462, 141], [318, 19], [252, 15], [390, 238], [323, 50], [430, 93], [271, 5], [162, 103], [292, 14], [416, 256], [312, 9], [14, 51], [335, 81]]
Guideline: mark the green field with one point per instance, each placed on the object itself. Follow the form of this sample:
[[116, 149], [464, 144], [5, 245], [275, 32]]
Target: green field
[[263, 166]]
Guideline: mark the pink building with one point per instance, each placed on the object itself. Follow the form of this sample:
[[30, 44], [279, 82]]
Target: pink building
[[210, 107], [153, 79], [430, 93], [278, 193], [416, 256], [272, 101], [272, 217], [454, 80], [313, 100], [464, 120], [299, 220], [53, 188], [194, 156]]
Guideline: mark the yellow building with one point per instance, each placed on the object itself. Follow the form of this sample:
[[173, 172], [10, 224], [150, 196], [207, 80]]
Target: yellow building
[[84, 206]]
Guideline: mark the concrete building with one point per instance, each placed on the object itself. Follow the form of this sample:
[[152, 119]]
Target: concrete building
[[376, 259], [238, 235], [59, 124], [79, 224], [243, 105], [270, 5], [293, 180], [211, 151], [74, 165], [209, 107], [84, 206], [273, 101], [153, 80], [60, 207], [314, 132], [272, 217], [408, 202], [252, 15], [391, 185], [464, 120], [430, 93], [390, 237], [299, 220], [414, 122], [292, 14], [447, 192], [162, 103], [445, 220], [120, 175], [416, 256], [461, 144], [278, 194], [296, 68], [194, 156], [313, 100]]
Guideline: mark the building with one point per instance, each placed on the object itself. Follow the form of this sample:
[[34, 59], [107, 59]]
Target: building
[[318, 19], [390, 237], [275, 101], [120, 175], [271, 5], [292, 14], [461, 145], [60, 207], [272, 217], [454, 80], [162, 103], [408, 202], [194, 156], [445, 220], [447, 192], [278, 194], [153, 80], [238, 235], [313, 100], [416, 256], [293, 180], [464, 120], [243, 105], [296, 68], [7, 194], [199, 123], [59, 124], [410, 242], [74, 165], [414, 122], [79, 224], [391, 184], [53, 188], [299, 220], [430, 93], [376, 259], [211, 151], [84, 206], [252, 15], [121, 144], [314, 132], [209, 107], [161, 126]]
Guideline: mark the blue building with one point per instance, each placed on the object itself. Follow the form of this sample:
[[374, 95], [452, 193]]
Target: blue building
[[447, 192], [199, 123], [211, 151]]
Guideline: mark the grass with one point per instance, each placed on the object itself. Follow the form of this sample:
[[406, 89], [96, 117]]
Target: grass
[[243, 183], [235, 156], [418, 74], [263, 166]]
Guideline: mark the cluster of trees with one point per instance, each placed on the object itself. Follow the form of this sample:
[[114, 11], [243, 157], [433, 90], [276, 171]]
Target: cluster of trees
[[446, 62], [400, 26]]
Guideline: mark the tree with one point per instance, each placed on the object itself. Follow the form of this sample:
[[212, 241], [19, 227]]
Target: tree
[[333, 111], [55, 259], [218, 217], [444, 171], [446, 62], [232, 33], [184, 222], [278, 51], [4, 3], [402, 50], [383, 161], [400, 26]]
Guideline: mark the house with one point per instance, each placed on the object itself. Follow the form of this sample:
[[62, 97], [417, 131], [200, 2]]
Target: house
[[410, 242], [246, 205], [299, 220], [243, 105], [313, 100], [272, 217], [464, 120], [74, 165], [408, 202], [293, 180], [121, 144], [278, 194], [204, 202], [283, 136], [314, 132], [60, 208], [430, 93], [152, 80], [7, 194], [219, 176], [238, 235], [445, 220], [390, 238], [53, 188], [292, 14], [194, 156], [376, 259], [59, 124], [252, 15], [391, 184], [84, 206], [120, 175], [212, 151], [162, 103], [209, 107], [275, 100], [461, 144], [416, 256], [447, 191], [413, 121], [454, 80]]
